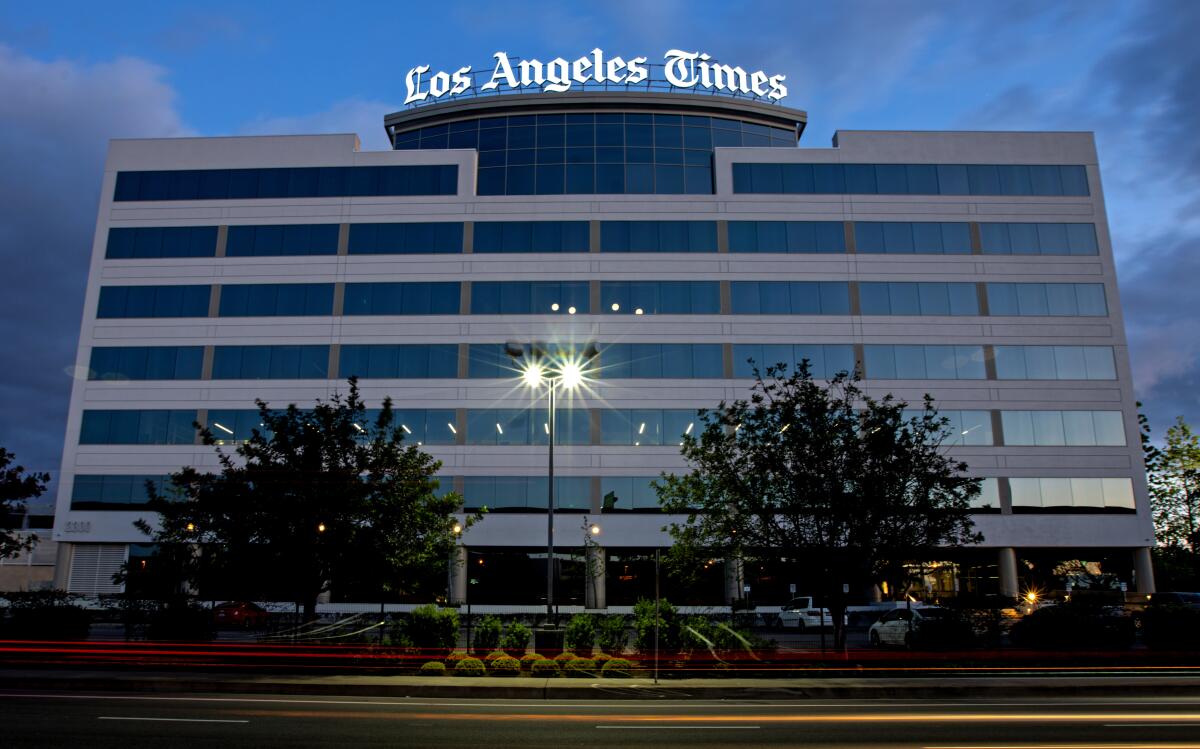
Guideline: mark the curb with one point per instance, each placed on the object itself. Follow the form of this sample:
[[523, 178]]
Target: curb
[[643, 689]]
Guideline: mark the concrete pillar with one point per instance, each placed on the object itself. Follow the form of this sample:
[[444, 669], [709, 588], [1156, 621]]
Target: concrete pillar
[[1143, 570], [735, 576], [875, 594], [596, 579], [458, 575], [62, 565], [1007, 561]]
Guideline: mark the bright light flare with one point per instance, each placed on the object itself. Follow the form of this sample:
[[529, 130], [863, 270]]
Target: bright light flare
[[594, 530], [532, 375], [571, 375]]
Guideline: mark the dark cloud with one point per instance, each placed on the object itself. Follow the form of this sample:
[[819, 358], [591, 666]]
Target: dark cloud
[[55, 122]]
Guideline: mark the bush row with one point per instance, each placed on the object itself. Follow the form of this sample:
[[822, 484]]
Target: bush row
[[499, 663]]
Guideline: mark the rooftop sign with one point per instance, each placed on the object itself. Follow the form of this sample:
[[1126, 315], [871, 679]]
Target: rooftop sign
[[680, 70]]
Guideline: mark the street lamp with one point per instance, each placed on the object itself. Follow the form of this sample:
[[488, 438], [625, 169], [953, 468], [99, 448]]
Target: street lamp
[[567, 374]]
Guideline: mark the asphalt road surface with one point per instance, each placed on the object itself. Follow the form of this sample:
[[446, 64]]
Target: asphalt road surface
[[53, 719]]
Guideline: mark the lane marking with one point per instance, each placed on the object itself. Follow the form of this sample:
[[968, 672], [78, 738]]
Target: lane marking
[[170, 720]]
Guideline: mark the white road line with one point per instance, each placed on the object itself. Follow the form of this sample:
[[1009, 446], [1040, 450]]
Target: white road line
[[170, 720]]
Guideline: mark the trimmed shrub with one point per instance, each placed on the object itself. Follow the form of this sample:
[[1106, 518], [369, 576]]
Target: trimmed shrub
[[617, 668], [516, 639], [1171, 627], [487, 659], [504, 666], [564, 656], [528, 660], [453, 659], [432, 629], [486, 635], [580, 668], [44, 615], [601, 659], [544, 667], [612, 633], [469, 667], [580, 633], [433, 668], [668, 626]]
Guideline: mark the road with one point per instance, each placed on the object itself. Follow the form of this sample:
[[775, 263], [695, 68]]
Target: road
[[52, 719]]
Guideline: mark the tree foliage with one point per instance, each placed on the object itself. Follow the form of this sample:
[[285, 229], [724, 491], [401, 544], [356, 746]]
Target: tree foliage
[[851, 483], [1173, 475], [323, 497], [16, 486]]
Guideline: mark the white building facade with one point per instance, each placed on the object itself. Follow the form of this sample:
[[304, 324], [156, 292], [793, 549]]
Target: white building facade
[[681, 234]]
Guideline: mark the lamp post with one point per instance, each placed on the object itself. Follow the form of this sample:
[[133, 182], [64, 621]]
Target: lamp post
[[567, 373]]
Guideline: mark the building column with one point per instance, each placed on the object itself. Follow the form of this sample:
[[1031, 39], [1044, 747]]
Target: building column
[[62, 565], [1143, 570], [594, 593], [1007, 561], [735, 576], [458, 575]]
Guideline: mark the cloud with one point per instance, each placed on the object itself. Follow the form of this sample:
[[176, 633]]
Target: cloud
[[55, 121], [354, 115]]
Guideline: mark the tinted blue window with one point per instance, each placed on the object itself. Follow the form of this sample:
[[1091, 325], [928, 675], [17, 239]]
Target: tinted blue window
[[660, 297], [114, 492], [162, 242], [646, 427], [135, 427], [658, 236], [654, 360], [398, 361], [268, 300], [916, 362], [531, 236], [1034, 299], [1038, 239], [1055, 363], [824, 360], [153, 301], [270, 362], [905, 238], [146, 363], [281, 240], [406, 238], [910, 179], [302, 182], [917, 298], [506, 426], [415, 298], [790, 297], [529, 297], [786, 236]]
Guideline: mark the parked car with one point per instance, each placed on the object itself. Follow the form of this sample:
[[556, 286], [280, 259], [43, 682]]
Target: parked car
[[243, 614], [926, 625], [800, 614], [1191, 600]]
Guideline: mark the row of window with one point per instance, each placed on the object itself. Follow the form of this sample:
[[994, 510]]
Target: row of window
[[615, 361], [636, 493], [597, 179], [1071, 494], [891, 237], [616, 297], [911, 179], [296, 182], [604, 129], [637, 427]]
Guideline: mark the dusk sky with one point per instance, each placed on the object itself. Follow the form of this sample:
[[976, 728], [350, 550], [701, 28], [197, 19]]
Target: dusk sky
[[73, 75]]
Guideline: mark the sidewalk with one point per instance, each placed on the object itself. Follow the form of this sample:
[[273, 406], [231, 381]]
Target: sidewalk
[[528, 688]]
